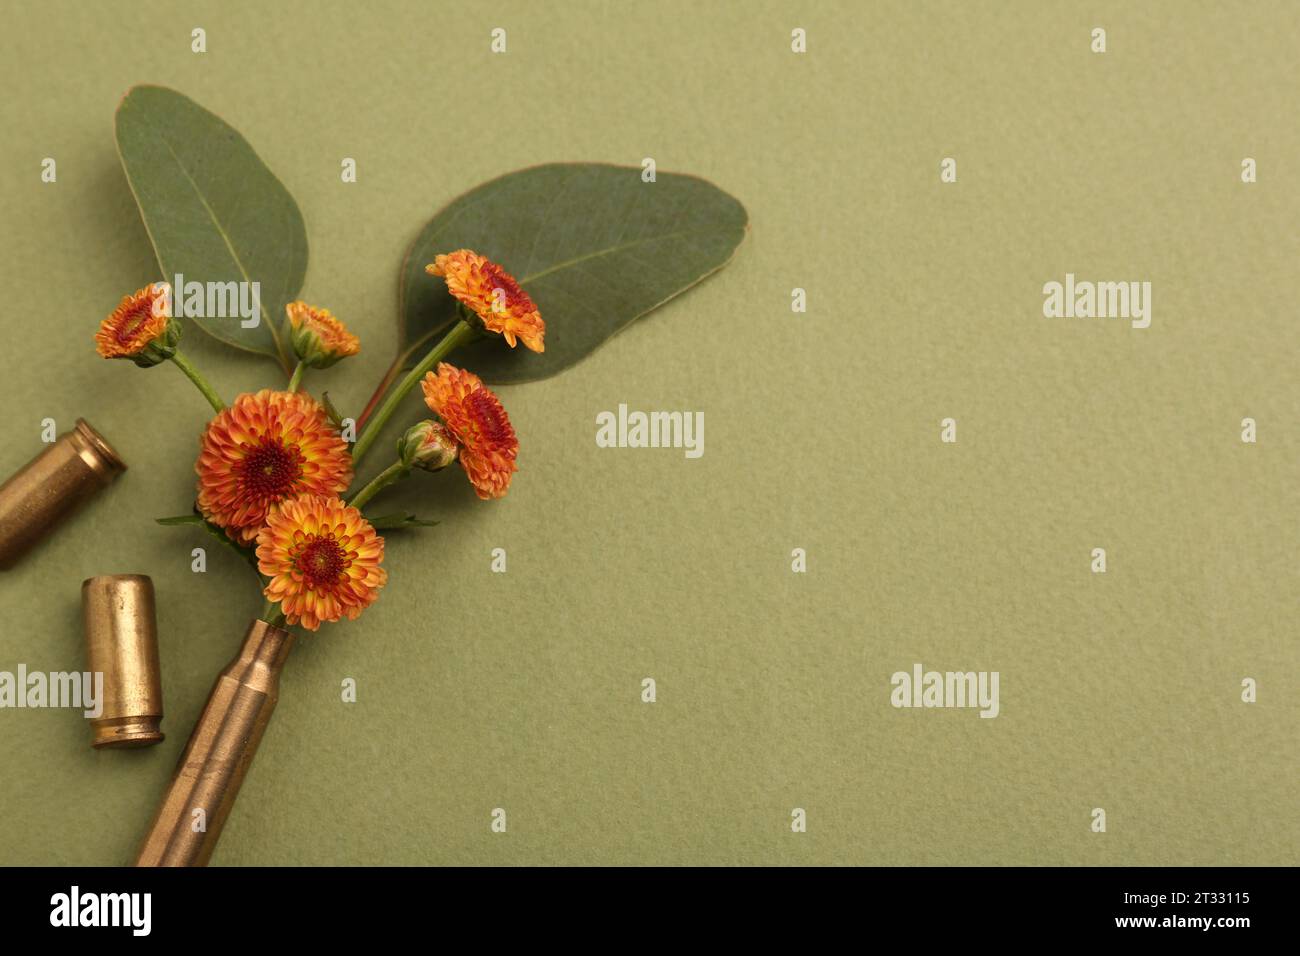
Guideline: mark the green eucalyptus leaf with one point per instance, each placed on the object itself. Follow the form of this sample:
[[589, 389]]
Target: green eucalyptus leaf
[[401, 519], [213, 210], [593, 245]]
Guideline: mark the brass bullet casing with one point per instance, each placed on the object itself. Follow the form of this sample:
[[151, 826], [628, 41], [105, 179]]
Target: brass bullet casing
[[216, 759], [51, 486], [122, 644]]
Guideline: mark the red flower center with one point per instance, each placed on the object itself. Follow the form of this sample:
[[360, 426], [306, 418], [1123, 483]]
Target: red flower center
[[132, 321], [488, 418], [322, 561], [513, 295], [270, 470]]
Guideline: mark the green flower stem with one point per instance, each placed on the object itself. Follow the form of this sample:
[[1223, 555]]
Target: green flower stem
[[271, 614], [392, 473], [296, 380], [199, 381], [460, 333]]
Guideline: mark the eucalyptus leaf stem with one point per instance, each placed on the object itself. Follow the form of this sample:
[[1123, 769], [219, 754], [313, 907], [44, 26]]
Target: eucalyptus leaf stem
[[377, 484], [393, 371], [296, 378], [460, 333], [201, 383]]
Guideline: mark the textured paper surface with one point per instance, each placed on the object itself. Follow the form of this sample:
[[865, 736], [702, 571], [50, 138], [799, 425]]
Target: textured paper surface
[[522, 691]]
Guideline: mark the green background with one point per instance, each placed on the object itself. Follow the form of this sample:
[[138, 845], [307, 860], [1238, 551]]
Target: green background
[[522, 691]]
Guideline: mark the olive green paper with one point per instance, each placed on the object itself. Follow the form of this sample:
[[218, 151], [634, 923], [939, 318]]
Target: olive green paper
[[522, 690]]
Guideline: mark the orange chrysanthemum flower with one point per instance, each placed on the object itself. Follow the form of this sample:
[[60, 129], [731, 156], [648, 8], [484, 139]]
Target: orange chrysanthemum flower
[[323, 560], [493, 295], [141, 319], [319, 339], [265, 448], [478, 424]]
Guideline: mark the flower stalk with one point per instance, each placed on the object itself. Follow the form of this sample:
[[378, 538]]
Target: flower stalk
[[394, 472], [459, 334], [271, 614], [194, 375]]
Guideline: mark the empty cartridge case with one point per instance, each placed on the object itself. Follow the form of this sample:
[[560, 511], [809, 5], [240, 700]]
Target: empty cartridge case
[[51, 486], [122, 644], [217, 757]]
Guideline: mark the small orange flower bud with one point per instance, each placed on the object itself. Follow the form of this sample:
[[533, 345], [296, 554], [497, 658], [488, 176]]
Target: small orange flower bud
[[478, 424], [318, 338], [141, 328], [493, 295]]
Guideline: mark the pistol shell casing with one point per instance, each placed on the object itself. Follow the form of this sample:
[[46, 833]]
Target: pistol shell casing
[[122, 644], [51, 486]]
